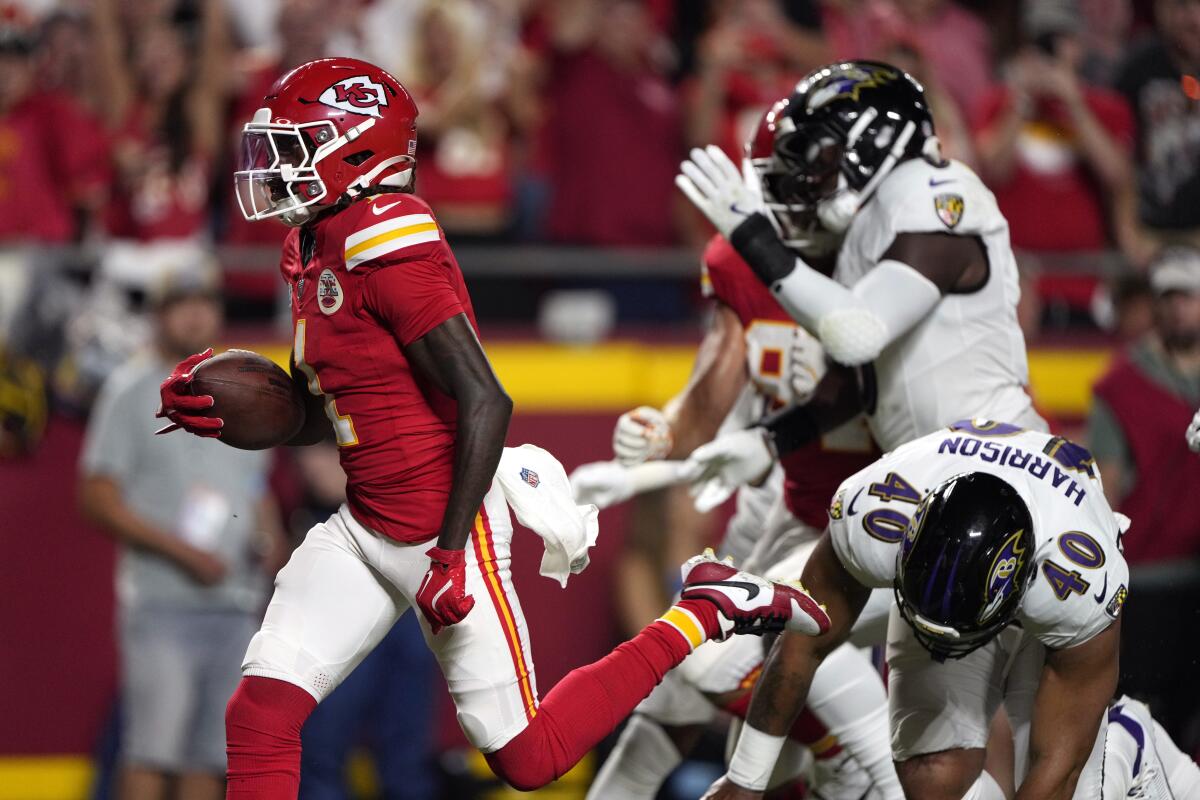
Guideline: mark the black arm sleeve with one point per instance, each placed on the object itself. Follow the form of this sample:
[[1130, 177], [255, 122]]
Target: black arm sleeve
[[842, 394], [756, 241]]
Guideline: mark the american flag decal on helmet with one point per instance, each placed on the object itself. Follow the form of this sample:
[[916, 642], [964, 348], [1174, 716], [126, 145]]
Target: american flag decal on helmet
[[530, 477]]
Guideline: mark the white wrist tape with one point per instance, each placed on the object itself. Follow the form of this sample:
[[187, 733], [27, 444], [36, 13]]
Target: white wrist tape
[[754, 759]]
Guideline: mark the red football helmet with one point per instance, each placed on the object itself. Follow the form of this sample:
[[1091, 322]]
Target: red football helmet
[[797, 223], [329, 129]]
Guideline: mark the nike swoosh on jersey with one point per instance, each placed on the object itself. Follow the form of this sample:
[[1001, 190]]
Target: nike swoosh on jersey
[[935, 182], [850, 512], [1099, 598], [379, 209], [750, 588]]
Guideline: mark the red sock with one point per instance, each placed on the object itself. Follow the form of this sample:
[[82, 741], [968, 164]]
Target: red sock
[[591, 701], [262, 734]]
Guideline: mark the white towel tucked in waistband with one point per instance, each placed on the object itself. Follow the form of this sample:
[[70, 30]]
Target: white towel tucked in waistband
[[536, 488]]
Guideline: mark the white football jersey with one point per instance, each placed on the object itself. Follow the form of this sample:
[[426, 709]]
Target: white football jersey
[[1081, 579], [967, 358]]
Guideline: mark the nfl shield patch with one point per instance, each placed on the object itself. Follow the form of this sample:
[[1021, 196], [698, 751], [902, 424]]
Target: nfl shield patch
[[530, 477], [949, 208]]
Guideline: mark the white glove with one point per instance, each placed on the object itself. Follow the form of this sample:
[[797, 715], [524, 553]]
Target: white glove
[[1193, 434], [642, 435], [602, 483], [806, 367], [716, 187], [716, 470]]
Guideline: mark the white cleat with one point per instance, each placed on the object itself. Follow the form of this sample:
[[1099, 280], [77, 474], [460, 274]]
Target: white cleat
[[1148, 776]]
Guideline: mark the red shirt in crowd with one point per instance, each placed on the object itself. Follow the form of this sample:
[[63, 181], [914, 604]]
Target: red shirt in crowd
[[151, 198], [613, 141], [243, 269], [953, 42], [1166, 525], [466, 171], [53, 154], [746, 98], [1051, 200], [237, 230]]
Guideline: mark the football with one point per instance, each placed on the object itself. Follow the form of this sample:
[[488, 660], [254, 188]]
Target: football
[[253, 396]]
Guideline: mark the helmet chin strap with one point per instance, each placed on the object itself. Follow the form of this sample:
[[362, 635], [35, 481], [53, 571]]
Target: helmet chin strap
[[837, 212], [400, 179], [296, 217]]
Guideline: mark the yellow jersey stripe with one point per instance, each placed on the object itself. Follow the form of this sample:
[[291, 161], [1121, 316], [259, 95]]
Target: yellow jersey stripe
[[374, 241], [390, 224]]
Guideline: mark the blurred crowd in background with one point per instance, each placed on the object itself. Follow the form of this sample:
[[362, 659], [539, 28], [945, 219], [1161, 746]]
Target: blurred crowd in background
[[121, 117], [562, 123], [549, 136]]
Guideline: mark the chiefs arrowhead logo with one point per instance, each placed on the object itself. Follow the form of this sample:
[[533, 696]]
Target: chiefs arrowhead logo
[[358, 95]]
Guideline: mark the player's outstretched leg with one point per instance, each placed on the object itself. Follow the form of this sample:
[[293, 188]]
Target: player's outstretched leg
[[717, 601]]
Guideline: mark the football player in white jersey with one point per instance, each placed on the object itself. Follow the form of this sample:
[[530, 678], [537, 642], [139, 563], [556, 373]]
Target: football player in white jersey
[[1193, 434], [977, 527], [925, 287]]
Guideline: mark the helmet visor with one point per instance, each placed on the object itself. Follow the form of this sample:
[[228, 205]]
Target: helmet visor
[[811, 158], [795, 216]]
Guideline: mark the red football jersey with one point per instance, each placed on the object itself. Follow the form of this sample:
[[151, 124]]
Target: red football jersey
[[365, 283], [813, 473]]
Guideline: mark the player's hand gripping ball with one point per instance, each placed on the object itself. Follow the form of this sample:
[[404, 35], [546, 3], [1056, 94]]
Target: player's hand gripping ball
[[241, 397], [443, 597], [181, 407]]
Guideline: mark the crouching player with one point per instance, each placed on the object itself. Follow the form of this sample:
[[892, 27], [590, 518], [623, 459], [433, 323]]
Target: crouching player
[[387, 350], [1009, 583]]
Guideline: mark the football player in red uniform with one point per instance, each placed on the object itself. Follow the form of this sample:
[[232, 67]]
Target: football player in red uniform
[[386, 350]]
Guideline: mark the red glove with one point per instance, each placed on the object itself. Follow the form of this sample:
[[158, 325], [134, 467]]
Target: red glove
[[177, 401], [443, 596]]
